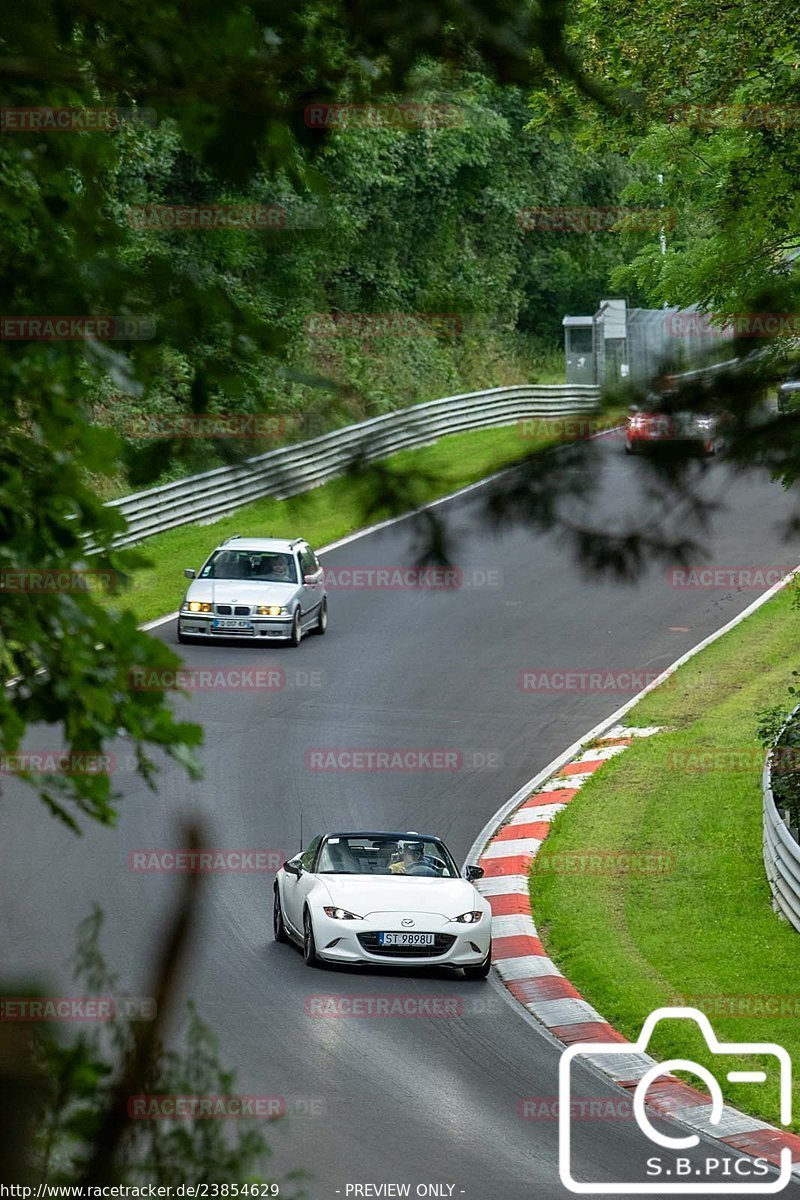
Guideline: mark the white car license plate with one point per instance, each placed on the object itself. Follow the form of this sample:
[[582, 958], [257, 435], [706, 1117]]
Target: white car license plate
[[223, 624], [406, 939]]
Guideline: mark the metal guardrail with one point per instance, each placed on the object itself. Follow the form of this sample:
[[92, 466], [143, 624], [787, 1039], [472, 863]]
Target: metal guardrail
[[781, 853], [291, 470]]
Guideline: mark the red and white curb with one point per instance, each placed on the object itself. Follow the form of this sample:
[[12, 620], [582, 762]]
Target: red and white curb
[[535, 981]]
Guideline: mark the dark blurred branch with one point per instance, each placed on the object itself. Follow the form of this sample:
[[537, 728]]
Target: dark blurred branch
[[21, 1091], [101, 1167]]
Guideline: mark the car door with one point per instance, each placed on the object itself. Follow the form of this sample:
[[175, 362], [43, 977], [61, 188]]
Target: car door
[[310, 593], [296, 888]]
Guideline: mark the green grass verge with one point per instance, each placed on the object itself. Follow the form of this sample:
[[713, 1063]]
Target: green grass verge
[[323, 514], [707, 928]]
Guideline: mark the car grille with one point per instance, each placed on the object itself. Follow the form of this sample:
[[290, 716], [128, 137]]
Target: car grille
[[241, 610], [441, 944]]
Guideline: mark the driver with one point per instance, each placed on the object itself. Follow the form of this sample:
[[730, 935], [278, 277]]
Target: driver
[[411, 853]]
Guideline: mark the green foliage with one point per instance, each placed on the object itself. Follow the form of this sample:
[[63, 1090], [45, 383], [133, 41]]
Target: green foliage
[[376, 220], [707, 100]]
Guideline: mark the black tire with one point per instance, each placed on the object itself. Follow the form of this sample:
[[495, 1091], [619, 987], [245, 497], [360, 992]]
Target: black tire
[[309, 944], [278, 927], [321, 626], [297, 630], [481, 972]]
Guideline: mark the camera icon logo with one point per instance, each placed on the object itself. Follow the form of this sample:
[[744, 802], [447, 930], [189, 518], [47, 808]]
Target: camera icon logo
[[592, 1051]]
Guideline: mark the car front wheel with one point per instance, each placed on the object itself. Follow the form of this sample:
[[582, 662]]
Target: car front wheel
[[322, 623], [309, 944], [482, 971], [278, 927], [296, 635]]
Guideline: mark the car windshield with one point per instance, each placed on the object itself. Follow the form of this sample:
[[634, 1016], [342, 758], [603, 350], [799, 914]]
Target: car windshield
[[256, 566], [379, 855]]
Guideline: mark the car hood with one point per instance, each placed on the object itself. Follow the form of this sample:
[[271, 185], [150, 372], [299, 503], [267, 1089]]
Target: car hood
[[240, 591], [365, 894]]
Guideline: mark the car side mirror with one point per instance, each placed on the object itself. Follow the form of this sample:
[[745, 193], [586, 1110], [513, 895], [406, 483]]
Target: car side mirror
[[293, 867], [189, 572], [472, 873]]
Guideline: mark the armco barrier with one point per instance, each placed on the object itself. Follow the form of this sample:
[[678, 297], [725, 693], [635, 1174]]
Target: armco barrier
[[781, 854], [294, 469]]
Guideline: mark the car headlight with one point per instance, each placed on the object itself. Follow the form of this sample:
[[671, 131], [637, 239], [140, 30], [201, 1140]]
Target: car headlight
[[341, 914], [469, 918], [271, 610], [199, 606]]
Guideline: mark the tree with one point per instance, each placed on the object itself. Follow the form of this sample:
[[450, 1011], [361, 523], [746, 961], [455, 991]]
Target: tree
[[227, 92], [706, 106]]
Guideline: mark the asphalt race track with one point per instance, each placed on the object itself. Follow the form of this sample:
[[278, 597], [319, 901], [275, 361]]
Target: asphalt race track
[[432, 1100]]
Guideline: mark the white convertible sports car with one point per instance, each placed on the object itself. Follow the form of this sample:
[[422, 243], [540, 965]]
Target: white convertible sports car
[[393, 899]]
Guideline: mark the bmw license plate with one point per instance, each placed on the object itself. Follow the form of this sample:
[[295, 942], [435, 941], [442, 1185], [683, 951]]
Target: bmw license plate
[[222, 624], [406, 939]]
